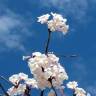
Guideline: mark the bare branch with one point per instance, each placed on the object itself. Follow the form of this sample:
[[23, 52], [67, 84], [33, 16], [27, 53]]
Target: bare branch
[[6, 94], [50, 80], [48, 41], [7, 80], [68, 56], [42, 93], [27, 91]]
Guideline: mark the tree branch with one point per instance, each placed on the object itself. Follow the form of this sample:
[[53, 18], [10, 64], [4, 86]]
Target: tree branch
[[27, 91], [50, 80], [42, 93], [6, 94], [48, 41]]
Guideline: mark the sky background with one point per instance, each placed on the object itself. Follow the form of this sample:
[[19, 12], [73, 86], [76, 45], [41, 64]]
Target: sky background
[[21, 34]]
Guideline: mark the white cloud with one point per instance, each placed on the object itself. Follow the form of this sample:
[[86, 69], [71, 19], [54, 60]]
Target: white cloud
[[12, 31], [80, 71], [92, 90], [75, 8]]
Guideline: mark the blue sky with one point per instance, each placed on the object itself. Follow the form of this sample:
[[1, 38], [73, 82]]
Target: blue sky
[[20, 34]]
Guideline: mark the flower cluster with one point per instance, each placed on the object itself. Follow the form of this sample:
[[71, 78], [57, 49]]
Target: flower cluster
[[21, 82], [45, 68], [56, 23], [16, 78], [13, 91], [77, 91]]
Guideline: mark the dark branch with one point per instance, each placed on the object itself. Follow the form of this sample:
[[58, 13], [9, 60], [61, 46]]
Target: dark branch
[[54, 90], [48, 41], [74, 94], [27, 91], [68, 56], [50, 80], [42, 93], [6, 94], [1, 95]]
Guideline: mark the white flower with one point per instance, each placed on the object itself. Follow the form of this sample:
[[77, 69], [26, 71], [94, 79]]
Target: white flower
[[23, 76], [31, 82], [33, 67], [52, 25], [43, 67], [17, 91], [64, 29], [14, 79], [58, 16], [72, 84], [56, 23], [43, 19], [26, 57], [80, 92], [36, 54]]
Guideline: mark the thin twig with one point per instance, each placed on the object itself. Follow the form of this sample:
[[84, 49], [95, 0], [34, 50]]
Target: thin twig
[[7, 80], [74, 93], [6, 94], [42, 93], [68, 56], [50, 80], [27, 91], [54, 90], [48, 41]]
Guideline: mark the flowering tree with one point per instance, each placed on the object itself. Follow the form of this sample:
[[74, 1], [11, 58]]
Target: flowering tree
[[45, 67]]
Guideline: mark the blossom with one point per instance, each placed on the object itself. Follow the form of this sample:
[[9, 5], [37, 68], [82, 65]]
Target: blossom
[[22, 76], [80, 92], [26, 57], [16, 78], [77, 91], [17, 91], [58, 16], [36, 54], [46, 70], [43, 67], [72, 84], [43, 19], [56, 23], [31, 82]]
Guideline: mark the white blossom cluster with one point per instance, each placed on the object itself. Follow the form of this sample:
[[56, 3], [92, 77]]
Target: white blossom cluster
[[78, 91], [43, 67], [13, 91], [46, 70], [20, 87], [56, 23]]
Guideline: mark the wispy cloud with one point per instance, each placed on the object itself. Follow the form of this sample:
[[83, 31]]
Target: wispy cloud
[[92, 90], [79, 67], [75, 8], [12, 31]]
